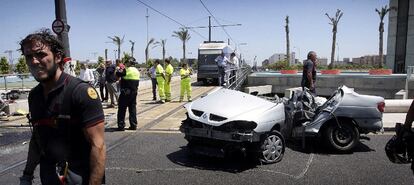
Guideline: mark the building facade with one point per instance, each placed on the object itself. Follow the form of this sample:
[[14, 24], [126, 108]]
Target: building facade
[[370, 60], [322, 62], [400, 44], [281, 56]]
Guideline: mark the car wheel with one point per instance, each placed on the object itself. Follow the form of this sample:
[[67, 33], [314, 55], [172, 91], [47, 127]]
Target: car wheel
[[272, 148], [342, 139]]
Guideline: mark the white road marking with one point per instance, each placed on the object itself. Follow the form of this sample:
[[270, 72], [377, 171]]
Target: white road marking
[[139, 170], [301, 175], [297, 177]]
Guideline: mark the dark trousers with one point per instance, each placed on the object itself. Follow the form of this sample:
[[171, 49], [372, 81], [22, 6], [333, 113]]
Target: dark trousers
[[127, 99], [48, 173], [154, 88], [222, 74], [101, 90]]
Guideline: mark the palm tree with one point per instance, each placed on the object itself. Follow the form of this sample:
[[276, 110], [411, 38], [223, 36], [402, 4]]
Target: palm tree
[[150, 43], [184, 36], [162, 44], [118, 42], [287, 40], [334, 23], [382, 13], [132, 47]]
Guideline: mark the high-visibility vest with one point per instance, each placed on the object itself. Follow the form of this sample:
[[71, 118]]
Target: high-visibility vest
[[159, 71], [132, 73], [169, 69], [184, 73]]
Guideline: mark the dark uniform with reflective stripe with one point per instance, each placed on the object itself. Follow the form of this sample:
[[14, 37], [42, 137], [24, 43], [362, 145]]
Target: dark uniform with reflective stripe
[[62, 139], [128, 97]]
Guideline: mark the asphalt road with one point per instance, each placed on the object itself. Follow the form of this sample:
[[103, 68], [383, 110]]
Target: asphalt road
[[162, 158]]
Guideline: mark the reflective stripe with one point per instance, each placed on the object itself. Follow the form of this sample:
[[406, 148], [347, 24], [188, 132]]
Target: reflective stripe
[[49, 122], [132, 73]]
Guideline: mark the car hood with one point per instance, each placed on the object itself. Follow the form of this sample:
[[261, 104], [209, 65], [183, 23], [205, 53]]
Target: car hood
[[230, 103]]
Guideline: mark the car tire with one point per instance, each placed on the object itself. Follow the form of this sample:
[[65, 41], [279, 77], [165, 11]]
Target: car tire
[[272, 148], [342, 139]]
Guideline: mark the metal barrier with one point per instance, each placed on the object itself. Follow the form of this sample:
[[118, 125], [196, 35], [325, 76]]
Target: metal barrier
[[25, 80], [410, 77], [237, 77]]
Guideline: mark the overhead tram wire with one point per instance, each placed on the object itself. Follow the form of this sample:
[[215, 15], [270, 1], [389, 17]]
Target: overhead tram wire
[[225, 31], [197, 20], [168, 17]]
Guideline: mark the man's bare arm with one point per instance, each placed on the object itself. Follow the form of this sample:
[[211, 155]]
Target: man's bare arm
[[95, 135]]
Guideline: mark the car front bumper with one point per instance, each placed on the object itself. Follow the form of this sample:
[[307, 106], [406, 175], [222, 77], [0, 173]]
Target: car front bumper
[[210, 133]]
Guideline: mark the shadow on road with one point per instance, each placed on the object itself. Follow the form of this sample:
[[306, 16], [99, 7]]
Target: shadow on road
[[233, 164], [318, 147], [152, 103], [111, 130], [208, 83]]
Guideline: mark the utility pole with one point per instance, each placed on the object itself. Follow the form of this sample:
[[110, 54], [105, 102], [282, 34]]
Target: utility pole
[[209, 27], [147, 16], [60, 12]]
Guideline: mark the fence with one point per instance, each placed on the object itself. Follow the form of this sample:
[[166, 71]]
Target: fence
[[237, 77], [26, 80], [17, 81], [410, 77]]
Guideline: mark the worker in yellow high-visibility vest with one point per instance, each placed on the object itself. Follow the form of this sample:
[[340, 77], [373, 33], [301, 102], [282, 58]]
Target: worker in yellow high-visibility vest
[[128, 94], [159, 73], [185, 74], [168, 74]]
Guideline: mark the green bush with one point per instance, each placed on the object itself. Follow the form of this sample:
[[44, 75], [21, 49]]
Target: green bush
[[4, 66]]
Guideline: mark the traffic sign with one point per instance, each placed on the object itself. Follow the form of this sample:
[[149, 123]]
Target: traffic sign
[[58, 26]]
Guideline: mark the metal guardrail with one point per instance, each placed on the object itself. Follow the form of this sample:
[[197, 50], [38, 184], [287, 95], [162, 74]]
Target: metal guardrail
[[410, 77], [237, 77], [23, 81]]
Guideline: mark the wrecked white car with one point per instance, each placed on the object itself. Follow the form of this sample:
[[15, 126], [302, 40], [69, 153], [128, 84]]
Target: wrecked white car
[[228, 120]]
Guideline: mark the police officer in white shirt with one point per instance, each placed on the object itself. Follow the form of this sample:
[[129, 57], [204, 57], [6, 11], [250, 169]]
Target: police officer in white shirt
[[86, 74], [222, 63]]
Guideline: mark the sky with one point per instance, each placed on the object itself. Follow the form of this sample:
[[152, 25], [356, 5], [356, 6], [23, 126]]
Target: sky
[[261, 34]]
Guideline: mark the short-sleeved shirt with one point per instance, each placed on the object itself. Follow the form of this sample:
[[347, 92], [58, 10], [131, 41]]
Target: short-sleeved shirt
[[169, 69], [152, 72], [222, 61], [308, 65], [235, 62], [68, 141]]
